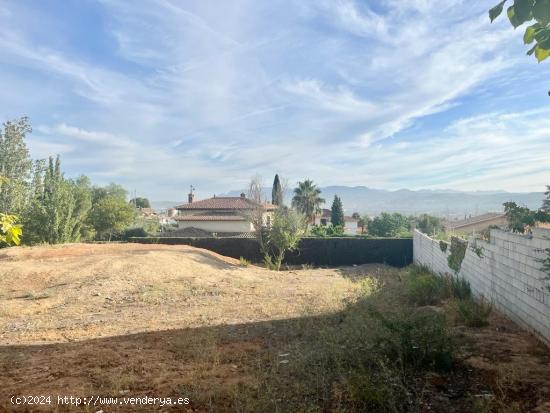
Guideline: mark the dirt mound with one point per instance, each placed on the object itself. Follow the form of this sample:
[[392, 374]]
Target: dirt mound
[[79, 291], [76, 250]]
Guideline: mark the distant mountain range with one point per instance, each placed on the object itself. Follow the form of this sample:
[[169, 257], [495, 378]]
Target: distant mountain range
[[449, 203]]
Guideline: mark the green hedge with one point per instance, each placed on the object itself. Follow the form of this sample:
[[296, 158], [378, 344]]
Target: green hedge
[[315, 251]]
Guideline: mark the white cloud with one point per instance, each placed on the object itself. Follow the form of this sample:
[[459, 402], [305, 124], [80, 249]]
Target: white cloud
[[210, 95], [339, 100]]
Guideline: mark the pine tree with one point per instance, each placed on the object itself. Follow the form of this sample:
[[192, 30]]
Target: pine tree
[[15, 165], [277, 192], [337, 212]]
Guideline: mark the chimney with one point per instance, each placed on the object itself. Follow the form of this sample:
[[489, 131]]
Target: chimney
[[243, 195], [191, 194]]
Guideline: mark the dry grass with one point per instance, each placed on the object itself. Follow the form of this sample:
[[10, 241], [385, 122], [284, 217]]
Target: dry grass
[[80, 291], [136, 320]]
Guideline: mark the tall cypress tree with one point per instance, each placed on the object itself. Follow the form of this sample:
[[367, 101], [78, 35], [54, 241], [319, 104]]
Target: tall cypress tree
[[277, 192], [337, 212]]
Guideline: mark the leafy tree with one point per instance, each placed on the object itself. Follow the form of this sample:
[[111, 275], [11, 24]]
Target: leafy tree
[[324, 231], [389, 225], [15, 165], [307, 200], [519, 218], [82, 193], [284, 234], [538, 33], [112, 189], [10, 231], [428, 224], [337, 212], [277, 192], [110, 215], [58, 206], [363, 222], [356, 215], [139, 202]]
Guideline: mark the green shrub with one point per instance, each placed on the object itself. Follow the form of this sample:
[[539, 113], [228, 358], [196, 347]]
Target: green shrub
[[243, 262], [474, 313], [424, 287], [132, 232], [459, 288], [417, 269], [419, 339]]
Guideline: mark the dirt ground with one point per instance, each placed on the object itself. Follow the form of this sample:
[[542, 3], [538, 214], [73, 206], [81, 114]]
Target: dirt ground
[[82, 291], [129, 320]]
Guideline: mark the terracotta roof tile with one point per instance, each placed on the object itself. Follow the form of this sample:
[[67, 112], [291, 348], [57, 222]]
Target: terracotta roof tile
[[474, 220], [225, 203], [209, 218]]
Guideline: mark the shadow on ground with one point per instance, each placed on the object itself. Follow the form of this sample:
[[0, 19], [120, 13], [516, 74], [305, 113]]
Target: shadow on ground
[[302, 364]]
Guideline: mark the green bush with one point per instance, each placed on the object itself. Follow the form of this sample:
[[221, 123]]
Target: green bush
[[459, 288], [424, 287], [132, 232], [323, 231], [418, 269], [474, 313], [419, 339]]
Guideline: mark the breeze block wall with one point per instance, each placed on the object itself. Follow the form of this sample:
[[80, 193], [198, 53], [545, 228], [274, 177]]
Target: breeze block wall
[[335, 251], [508, 274]]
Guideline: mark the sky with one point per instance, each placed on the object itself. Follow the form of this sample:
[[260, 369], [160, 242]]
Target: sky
[[157, 95]]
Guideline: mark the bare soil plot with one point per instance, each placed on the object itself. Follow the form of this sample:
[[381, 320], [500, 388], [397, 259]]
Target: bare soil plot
[[81, 291], [174, 321]]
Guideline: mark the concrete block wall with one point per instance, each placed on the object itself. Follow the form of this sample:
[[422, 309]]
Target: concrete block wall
[[507, 274]]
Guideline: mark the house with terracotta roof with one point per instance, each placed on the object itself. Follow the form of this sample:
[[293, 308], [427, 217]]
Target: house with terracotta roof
[[227, 215], [477, 223]]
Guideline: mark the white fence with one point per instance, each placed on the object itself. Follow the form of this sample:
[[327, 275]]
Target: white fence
[[507, 273]]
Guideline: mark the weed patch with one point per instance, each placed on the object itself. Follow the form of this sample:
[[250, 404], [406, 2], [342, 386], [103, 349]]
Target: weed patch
[[416, 340], [459, 287], [474, 313], [424, 287]]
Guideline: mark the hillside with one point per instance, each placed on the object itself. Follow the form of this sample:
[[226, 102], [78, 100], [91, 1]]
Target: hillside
[[441, 202]]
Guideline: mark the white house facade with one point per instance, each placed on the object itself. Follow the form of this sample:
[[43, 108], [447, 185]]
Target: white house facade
[[227, 215], [351, 226]]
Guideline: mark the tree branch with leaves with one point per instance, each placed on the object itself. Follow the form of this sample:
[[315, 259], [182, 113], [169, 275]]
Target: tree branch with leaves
[[10, 231], [538, 33]]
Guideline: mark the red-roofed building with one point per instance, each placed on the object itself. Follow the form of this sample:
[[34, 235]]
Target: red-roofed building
[[220, 214]]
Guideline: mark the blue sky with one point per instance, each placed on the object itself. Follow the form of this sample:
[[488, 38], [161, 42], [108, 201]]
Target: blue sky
[[157, 95]]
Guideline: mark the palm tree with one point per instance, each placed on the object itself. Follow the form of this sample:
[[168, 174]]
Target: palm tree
[[307, 200]]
